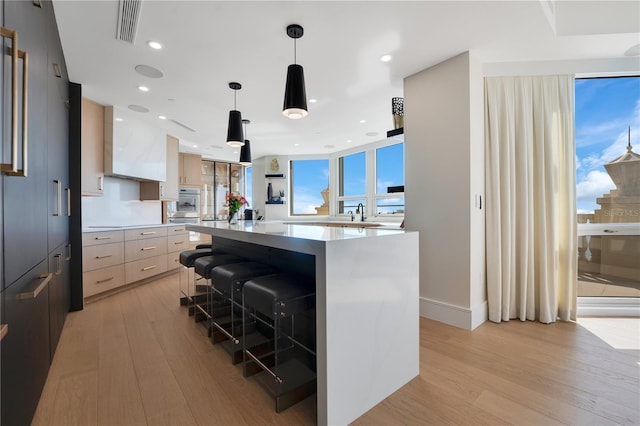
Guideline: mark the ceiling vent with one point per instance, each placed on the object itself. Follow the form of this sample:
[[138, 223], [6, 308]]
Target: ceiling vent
[[181, 125], [128, 18]]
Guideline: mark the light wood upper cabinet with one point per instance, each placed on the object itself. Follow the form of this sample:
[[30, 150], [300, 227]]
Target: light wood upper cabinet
[[190, 170], [92, 148], [168, 190]]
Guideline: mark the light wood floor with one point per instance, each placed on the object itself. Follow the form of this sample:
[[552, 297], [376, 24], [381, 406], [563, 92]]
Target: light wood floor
[[136, 358]]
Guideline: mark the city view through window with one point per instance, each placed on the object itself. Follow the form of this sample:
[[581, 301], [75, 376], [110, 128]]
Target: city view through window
[[607, 123]]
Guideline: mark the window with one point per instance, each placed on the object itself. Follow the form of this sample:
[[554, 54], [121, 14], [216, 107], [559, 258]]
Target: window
[[352, 182], [389, 198], [248, 191], [309, 187], [607, 122]]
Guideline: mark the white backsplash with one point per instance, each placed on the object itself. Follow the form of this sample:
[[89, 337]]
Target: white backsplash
[[120, 206]]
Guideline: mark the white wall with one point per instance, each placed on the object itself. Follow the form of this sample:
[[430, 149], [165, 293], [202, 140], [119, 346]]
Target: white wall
[[444, 134], [120, 206]]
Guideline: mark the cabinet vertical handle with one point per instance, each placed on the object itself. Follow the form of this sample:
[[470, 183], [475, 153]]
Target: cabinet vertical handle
[[33, 294], [100, 180], [58, 258], [59, 198], [161, 190], [68, 191], [12, 167], [4, 329], [68, 252]]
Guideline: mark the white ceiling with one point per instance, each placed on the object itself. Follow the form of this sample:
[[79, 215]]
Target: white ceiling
[[207, 44]]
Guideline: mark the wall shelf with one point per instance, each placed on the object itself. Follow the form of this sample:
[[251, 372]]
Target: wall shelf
[[275, 176], [274, 202]]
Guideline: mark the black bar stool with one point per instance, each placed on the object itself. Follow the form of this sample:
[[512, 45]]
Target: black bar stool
[[284, 304], [203, 267], [227, 283], [186, 278]]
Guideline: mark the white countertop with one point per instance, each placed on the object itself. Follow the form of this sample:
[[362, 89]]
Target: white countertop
[[300, 231], [103, 228]]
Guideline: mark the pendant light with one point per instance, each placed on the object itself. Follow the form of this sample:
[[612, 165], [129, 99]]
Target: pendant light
[[235, 136], [245, 151], [295, 95]]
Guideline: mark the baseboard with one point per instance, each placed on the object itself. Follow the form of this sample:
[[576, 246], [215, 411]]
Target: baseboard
[[608, 307], [457, 316]]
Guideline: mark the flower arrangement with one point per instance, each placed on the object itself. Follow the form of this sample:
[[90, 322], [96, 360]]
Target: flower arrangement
[[235, 201]]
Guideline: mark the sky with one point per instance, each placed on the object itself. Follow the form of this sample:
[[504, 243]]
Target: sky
[[605, 109]]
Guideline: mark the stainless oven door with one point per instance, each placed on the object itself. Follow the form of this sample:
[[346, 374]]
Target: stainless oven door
[[189, 202]]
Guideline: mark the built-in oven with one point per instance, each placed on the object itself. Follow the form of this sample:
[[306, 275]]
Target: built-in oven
[[188, 204]]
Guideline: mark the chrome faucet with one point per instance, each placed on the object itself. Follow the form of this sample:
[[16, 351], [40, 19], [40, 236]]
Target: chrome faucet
[[360, 210], [350, 212]]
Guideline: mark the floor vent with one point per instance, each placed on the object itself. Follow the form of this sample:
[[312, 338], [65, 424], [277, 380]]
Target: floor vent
[[128, 18]]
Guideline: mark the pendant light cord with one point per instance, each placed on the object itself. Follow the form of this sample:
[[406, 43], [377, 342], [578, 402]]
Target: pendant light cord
[[295, 57], [235, 107]]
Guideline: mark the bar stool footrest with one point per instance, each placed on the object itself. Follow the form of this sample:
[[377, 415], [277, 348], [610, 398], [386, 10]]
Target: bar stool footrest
[[298, 383]]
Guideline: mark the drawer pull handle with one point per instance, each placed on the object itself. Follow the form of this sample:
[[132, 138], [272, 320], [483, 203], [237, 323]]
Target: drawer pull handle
[[58, 198], [68, 190], [104, 257], [33, 294], [103, 238], [148, 233], [104, 281], [148, 267], [148, 248], [178, 230], [178, 242], [4, 329], [12, 168]]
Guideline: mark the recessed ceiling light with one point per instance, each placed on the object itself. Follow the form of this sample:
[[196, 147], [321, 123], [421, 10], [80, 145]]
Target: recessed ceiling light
[[371, 134], [235, 152], [143, 88], [296, 144], [162, 117], [385, 58], [148, 71], [154, 45], [119, 119], [363, 121], [195, 146], [348, 140], [313, 101]]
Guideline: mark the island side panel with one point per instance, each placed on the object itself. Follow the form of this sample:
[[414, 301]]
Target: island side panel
[[372, 322]]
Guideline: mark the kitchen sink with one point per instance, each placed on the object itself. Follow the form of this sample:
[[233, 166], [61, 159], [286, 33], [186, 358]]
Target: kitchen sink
[[338, 224]]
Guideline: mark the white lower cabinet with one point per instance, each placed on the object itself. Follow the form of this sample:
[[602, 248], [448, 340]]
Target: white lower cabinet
[[94, 282], [145, 268], [116, 258]]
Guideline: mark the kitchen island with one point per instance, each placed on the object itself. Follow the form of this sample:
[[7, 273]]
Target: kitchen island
[[367, 315]]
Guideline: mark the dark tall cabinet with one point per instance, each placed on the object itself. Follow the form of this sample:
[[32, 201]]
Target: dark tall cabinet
[[34, 209]]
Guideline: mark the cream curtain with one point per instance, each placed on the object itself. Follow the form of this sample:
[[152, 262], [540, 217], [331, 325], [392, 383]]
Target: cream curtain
[[530, 194]]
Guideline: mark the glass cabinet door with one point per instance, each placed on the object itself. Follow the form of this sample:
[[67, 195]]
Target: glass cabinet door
[[207, 201], [221, 188]]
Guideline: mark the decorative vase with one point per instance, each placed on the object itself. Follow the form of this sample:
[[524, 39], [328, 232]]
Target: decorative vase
[[269, 192], [233, 218], [397, 109]]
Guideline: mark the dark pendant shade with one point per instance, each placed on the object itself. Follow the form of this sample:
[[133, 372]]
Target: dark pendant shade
[[295, 94], [235, 135], [245, 153]]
